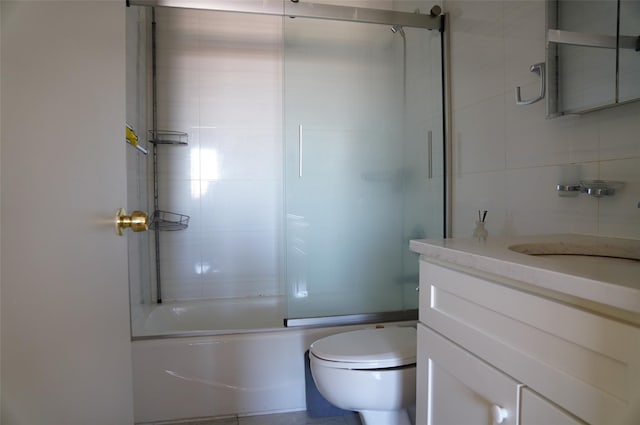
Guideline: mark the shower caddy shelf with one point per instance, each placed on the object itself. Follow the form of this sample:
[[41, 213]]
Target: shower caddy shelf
[[166, 220]]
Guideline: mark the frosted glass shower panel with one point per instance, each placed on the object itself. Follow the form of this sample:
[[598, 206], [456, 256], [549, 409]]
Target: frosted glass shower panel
[[343, 225], [347, 173], [219, 78], [629, 56]]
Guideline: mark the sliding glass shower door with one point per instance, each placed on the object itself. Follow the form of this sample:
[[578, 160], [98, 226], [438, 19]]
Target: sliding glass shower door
[[363, 164]]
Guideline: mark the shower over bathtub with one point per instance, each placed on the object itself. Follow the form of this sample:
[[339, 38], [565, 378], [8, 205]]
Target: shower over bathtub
[[313, 152], [297, 202]]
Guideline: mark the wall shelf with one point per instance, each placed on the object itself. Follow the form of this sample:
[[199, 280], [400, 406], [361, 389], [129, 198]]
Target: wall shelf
[[169, 221]]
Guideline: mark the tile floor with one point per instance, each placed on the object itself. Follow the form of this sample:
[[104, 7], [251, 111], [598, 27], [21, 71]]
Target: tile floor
[[293, 418]]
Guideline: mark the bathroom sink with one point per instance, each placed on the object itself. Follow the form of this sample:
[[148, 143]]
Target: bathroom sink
[[624, 250], [596, 269]]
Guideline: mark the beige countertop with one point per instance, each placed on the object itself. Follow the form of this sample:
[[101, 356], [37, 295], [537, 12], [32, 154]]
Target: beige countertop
[[576, 265]]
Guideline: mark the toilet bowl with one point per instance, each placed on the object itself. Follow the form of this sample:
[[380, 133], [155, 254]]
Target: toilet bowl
[[370, 371]]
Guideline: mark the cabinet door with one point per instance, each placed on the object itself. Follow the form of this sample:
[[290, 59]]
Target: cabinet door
[[455, 387], [586, 363], [536, 410]]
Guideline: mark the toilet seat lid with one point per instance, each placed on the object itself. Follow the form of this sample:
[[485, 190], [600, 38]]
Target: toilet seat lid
[[369, 348]]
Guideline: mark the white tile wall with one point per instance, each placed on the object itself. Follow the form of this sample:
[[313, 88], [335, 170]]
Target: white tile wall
[[220, 80], [619, 215], [480, 136], [506, 158]]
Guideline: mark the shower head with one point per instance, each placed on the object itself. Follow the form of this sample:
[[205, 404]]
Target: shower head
[[397, 29]]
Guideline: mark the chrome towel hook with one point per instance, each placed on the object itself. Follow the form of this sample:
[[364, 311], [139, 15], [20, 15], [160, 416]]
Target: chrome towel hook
[[539, 69]]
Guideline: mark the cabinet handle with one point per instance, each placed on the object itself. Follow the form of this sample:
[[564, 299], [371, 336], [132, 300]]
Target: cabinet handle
[[499, 414]]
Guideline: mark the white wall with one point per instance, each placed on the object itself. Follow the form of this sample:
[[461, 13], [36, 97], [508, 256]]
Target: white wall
[[507, 158], [66, 351]]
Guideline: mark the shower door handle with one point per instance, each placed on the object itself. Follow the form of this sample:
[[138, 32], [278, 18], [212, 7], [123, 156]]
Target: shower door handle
[[300, 150], [430, 153]]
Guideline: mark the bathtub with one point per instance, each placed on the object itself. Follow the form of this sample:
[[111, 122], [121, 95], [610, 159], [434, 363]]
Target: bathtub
[[222, 315], [207, 374]]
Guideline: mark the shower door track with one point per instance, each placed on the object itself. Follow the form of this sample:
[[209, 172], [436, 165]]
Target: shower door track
[[301, 9], [353, 319]]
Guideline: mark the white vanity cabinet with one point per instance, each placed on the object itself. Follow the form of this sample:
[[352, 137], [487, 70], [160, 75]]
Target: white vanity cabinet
[[493, 353], [458, 388], [536, 410]]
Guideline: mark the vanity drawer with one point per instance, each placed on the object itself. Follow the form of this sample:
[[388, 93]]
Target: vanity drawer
[[455, 387], [586, 363]]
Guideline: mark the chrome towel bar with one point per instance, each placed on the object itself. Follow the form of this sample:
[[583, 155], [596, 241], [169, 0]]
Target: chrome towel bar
[[538, 68]]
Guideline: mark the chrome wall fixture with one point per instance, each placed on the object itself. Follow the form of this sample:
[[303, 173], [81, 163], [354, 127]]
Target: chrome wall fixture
[[539, 69], [595, 188]]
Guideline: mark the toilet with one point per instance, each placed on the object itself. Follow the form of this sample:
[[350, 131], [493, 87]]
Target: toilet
[[370, 371]]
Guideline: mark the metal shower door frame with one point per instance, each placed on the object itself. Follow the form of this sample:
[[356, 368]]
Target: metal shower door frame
[[299, 9]]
